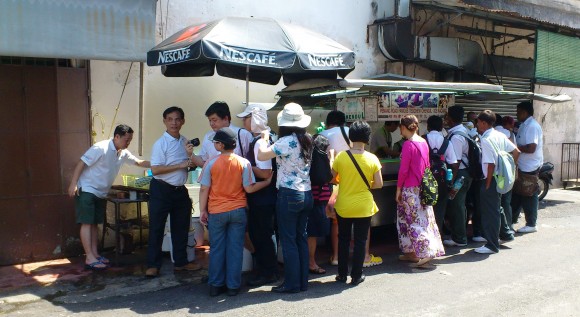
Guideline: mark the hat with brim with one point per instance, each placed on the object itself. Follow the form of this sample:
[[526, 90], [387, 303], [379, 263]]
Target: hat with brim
[[225, 136], [255, 106], [293, 116]]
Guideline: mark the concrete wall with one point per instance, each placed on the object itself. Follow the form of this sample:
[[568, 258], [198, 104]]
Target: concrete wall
[[559, 123], [346, 22]]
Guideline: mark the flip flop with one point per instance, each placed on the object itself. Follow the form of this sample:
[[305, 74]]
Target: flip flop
[[317, 270], [93, 266], [104, 260]]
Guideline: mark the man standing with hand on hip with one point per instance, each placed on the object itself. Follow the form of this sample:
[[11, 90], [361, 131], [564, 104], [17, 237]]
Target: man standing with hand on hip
[[530, 143], [92, 178], [170, 160]]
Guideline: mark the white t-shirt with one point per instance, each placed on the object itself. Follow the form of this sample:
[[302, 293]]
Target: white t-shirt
[[265, 165], [167, 151], [460, 145], [336, 139], [103, 165], [530, 132], [208, 150], [488, 153], [435, 140]]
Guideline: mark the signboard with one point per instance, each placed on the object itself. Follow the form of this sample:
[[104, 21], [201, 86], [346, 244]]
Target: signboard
[[394, 106], [353, 108]]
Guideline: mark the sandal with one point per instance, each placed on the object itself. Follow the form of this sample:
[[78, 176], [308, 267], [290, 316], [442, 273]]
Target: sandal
[[104, 260], [374, 260], [95, 266], [333, 261], [317, 270]]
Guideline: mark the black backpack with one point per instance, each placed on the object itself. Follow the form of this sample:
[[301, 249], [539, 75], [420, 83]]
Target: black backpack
[[437, 161], [320, 170], [473, 156]]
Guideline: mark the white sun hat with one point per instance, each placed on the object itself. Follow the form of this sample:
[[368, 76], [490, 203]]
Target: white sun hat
[[293, 116]]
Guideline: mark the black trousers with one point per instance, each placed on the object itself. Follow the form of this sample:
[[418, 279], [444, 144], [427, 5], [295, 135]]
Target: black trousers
[[360, 227], [174, 201], [261, 229]]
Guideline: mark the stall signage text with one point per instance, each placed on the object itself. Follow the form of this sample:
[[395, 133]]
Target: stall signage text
[[173, 56]]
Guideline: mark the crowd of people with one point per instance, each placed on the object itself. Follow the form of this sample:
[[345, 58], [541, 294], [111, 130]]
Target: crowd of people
[[256, 182]]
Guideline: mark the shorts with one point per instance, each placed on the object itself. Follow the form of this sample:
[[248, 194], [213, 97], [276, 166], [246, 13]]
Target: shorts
[[90, 209], [318, 224]]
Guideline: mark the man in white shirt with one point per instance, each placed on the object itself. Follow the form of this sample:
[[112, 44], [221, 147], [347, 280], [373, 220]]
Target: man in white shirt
[[490, 200], [530, 143], [218, 115], [456, 210], [92, 178], [441, 146], [170, 160]]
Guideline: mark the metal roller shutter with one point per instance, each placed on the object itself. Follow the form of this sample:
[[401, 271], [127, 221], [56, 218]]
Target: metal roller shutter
[[503, 107]]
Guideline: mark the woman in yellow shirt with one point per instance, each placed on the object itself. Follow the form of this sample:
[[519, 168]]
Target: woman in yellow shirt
[[355, 205]]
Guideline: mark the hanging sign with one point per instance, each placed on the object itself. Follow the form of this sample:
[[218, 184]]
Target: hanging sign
[[394, 106]]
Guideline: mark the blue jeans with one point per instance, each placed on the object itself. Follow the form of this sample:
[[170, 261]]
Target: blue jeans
[[226, 237], [292, 210]]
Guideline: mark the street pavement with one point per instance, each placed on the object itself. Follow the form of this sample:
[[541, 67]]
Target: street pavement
[[536, 275]]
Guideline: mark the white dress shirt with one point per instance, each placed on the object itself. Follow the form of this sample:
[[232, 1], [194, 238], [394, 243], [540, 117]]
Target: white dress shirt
[[435, 140], [530, 132], [167, 151], [208, 150], [460, 145]]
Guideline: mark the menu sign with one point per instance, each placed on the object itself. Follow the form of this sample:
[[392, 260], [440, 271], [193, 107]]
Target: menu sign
[[394, 106]]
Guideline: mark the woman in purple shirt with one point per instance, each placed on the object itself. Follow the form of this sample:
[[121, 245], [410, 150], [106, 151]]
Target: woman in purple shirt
[[419, 238]]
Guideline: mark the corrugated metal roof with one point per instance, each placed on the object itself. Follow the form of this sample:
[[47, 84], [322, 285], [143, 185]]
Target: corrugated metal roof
[[563, 13]]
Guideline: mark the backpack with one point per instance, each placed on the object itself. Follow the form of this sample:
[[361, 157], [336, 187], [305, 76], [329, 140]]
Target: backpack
[[429, 190], [473, 163], [437, 161], [506, 170], [320, 171]]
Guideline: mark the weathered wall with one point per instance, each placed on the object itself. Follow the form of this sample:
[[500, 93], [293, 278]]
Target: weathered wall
[[559, 123]]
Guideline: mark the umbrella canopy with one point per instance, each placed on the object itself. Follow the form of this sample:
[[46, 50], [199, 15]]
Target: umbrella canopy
[[253, 49]]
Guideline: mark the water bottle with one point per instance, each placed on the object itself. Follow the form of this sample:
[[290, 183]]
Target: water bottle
[[456, 187], [449, 175]]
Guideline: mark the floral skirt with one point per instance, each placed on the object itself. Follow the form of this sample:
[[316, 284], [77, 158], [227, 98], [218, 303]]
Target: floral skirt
[[418, 232]]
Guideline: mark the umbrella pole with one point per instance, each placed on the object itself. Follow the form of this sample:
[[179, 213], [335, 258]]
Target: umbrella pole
[[247, 85]]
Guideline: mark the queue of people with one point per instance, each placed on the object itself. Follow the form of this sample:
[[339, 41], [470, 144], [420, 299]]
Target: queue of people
[[256, 182]]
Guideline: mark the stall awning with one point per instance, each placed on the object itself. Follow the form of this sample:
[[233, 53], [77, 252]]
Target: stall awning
[[80, 29], [530, 13]]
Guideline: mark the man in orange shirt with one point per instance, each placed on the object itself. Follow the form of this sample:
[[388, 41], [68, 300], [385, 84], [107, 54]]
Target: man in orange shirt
[[225, 181]]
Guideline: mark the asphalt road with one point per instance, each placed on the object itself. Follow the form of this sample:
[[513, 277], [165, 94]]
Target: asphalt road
[[536, 275]]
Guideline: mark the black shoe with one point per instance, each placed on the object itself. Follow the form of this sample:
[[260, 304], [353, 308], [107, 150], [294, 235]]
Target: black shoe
[[283, 289], [233, 291], [216, 290], [356, 281], [262, 280], [340, 278]]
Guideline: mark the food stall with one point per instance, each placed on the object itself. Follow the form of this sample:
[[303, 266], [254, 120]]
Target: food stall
[[390, 100]]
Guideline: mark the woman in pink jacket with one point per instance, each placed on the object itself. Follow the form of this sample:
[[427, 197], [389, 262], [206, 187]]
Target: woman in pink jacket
[[419, 238]]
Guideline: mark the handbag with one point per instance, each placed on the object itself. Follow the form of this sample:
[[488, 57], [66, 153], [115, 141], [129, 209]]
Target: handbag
[[526, 184], [429, 190]]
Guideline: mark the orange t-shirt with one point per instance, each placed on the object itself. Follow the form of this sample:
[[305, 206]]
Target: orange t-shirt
[[226, 175]]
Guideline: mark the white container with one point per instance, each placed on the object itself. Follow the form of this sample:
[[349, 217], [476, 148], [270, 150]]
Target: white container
[[190, 249], [247, 262]]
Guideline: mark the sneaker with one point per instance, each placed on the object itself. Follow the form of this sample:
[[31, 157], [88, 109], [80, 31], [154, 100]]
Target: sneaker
[[527, 229], [375, 260], [452, 243], [191, 266], [484, 250], [479, 239]]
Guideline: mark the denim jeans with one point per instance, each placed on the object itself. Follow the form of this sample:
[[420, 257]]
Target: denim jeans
[[292, 215], [226, 237]]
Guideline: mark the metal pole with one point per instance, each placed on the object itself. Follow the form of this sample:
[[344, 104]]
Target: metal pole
[[247, 84]]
